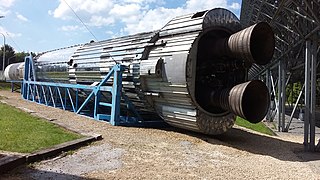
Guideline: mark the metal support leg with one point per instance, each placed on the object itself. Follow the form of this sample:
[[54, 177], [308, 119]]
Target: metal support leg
[[77, 99], [96, 103], [44, 96], [307, 96], [268, 83], [12, 86], [52, 98], [71, 100], [283, 92], [276, 102], [295, 107], [313, 75], [281, 96], [116, 98]]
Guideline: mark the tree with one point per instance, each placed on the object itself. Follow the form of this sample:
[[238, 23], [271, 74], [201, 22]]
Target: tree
[[9, 52], [19, 57], [12, 56]]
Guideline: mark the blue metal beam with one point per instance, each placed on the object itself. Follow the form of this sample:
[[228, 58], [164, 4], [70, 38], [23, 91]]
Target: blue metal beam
[[52, 91]]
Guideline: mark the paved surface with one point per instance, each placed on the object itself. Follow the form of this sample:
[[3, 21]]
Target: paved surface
[[296, 126], [169, 153]]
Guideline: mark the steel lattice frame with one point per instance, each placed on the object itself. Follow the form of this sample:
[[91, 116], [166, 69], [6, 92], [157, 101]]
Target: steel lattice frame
[[296, 24], [293, 23]]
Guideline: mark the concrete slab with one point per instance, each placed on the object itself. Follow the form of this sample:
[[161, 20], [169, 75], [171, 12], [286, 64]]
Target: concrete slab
[[9, 162]]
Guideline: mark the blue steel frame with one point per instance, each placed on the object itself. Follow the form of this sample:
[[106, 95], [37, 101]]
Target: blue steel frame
[[49, 93]]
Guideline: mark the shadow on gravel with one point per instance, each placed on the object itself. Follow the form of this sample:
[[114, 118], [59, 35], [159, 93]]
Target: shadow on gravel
[[257, 144], [264, 145], [38, 174]]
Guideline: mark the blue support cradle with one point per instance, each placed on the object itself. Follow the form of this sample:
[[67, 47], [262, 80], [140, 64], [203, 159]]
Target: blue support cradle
[[50, 94]]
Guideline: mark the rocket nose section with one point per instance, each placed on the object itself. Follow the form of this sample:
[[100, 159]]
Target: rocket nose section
[[6, 72]]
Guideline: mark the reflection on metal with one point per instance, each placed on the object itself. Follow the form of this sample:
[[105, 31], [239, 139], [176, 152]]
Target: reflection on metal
[[174, 73]]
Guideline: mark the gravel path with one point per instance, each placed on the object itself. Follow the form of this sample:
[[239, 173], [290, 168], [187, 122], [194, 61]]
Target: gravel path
[[169, 153]]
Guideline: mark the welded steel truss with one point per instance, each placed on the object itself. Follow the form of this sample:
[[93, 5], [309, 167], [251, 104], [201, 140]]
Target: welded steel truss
[[296, 24], [68, 96]]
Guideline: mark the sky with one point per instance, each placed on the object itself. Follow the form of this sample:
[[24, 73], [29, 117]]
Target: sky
[[38, 25]]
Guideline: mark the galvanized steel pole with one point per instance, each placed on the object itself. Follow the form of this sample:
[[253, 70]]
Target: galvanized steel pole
[[313, 84], [307, 95], [4, 48], [4, 51]]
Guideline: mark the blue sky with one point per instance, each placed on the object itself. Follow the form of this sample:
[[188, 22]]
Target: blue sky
[[37, 25]]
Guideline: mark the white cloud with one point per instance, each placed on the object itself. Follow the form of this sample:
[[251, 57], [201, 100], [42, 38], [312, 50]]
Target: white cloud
[[133, 15], [84, 8], [7, 33], [21, 17], [152, 20], [144, 1], [6, 3], [199, 5], [235, 6], [123, 11], [110, 33], [101, 21], [70, 28], [156, 18]]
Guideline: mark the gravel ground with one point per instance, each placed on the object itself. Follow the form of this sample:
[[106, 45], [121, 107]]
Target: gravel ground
[[168, 153]]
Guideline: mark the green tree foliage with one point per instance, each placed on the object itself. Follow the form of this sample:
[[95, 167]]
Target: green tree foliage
[[19, 57], [9, 52], [12, 56], [292, 91]]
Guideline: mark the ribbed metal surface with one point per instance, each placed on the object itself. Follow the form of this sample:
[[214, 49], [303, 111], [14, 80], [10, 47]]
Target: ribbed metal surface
[[89, 63], [157, 67], [163, 68], [175, 103], [52, 65]]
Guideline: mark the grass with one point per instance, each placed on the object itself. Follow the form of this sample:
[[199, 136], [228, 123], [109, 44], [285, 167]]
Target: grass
[[259, 127], [24, 133], [5, 86]]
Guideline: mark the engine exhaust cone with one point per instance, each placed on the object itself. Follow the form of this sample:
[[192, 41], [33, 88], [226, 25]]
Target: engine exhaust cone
[[254, 44], [248, 100]]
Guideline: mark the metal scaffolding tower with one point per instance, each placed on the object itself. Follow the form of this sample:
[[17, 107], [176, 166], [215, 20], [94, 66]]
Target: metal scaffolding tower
[[297, 32]]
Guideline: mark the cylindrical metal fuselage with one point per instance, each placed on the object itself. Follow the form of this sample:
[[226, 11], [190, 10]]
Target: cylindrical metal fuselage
[[191, 73]]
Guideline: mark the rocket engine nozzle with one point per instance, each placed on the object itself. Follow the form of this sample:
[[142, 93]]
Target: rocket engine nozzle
[[254, 44], [249, 100]]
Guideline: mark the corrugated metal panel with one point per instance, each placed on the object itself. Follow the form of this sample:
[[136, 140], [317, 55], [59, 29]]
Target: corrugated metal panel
[[155, 80], [174, 102]]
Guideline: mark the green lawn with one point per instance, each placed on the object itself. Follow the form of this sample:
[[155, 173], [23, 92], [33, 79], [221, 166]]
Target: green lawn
[[24, 133], [5, 85], [259, 127]]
